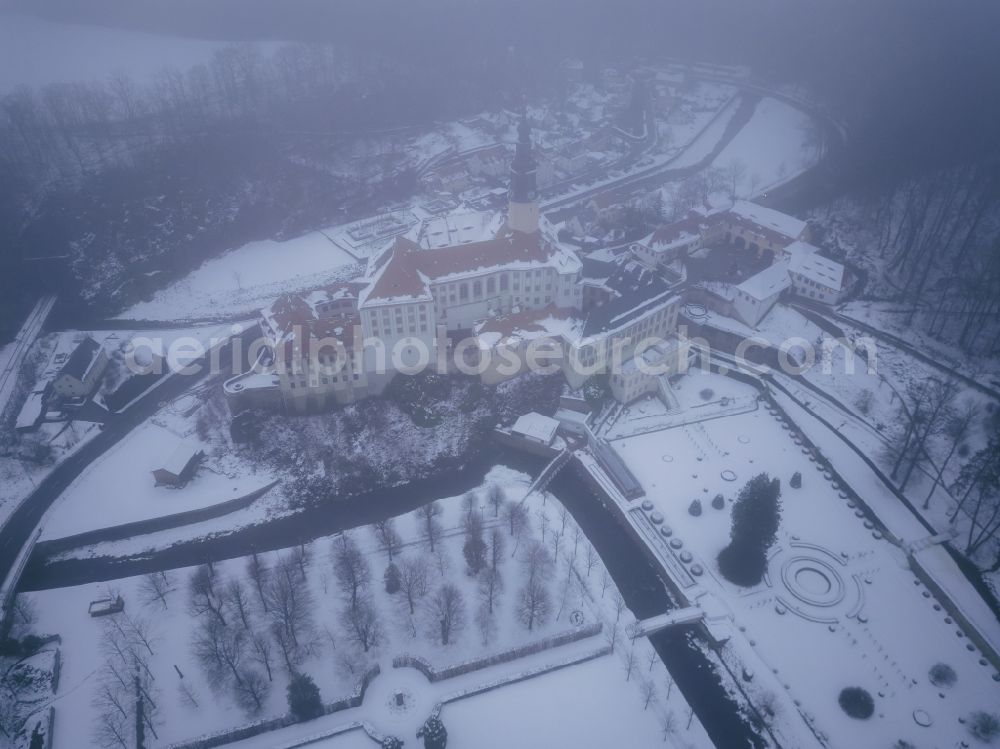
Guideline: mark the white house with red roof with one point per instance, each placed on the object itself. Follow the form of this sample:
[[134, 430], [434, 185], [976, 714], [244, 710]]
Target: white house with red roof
[[672, 241]]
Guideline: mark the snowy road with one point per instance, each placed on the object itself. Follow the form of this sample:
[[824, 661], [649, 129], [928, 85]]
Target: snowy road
[[20, 347]]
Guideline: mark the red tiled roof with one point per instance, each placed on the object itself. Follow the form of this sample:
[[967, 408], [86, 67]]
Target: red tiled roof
[[292, 323], [405, 269], [288, 310], [526, 321], [692, 224], [297, 340]]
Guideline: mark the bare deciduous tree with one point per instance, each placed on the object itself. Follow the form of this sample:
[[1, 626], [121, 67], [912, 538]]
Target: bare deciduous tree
[[353, 572], [490, 587], [222, 653], [387, 536], [413, 580], [290, 606], [486, 623], [260, 652], [496, 547], [470, 507], [590, 560], [155, 588], [201, 595], [648, 693], [535, 561], [447, 613], [516, 518], [496, 497], [125, 677], [533, 604], [257, 571], [428, 515], [630, 661], [236, 599], [362, 625]]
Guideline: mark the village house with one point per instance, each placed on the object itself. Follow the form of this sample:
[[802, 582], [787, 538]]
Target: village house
[[179, 466], [673, 241], [81, 374], [793, 265], [813, 276], [757, 228]]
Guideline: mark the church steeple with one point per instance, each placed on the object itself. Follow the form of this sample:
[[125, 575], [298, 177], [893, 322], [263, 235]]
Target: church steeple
[[522, 214]]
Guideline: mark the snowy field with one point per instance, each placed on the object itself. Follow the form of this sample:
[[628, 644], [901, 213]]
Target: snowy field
[[190, 706], [19, 474], [36, 52], [707, 139], [246, 279], [840, 608], [694, 110], [565, 708], [772, 148], [98, 498]]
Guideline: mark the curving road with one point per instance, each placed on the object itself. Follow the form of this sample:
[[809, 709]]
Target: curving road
[[23, 521]]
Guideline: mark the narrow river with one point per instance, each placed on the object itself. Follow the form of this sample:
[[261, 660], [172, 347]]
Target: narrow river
[[632, 573]]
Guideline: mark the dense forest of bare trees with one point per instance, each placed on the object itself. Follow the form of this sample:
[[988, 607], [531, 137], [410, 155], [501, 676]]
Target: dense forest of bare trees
[[940, 238], [931, 243], [67, 130]]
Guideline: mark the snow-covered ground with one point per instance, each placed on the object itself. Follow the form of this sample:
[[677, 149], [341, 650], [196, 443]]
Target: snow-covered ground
[[245, 279], [19, 476], [335, 661], [773, 147], [119, 487], [891, 318], [875, 627], [35, 52], [20, 472], [707, 139], [691, 112]]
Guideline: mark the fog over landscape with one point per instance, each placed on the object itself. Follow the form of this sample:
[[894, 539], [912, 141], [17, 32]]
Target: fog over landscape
[[467, 373]]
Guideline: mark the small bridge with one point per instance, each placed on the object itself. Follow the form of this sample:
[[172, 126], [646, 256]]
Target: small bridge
[[659, 623], [925, 543], [549, 472]]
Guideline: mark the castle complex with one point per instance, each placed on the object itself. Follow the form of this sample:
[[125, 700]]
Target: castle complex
[[518, 300]]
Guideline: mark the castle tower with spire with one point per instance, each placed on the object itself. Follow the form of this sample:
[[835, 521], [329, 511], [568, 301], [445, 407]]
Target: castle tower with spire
[[522, 213]]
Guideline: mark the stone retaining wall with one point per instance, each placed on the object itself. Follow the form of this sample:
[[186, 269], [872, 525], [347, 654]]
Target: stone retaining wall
[[433, 674]]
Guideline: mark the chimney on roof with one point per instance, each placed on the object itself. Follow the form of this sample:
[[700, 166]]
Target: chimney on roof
[[522, 212]]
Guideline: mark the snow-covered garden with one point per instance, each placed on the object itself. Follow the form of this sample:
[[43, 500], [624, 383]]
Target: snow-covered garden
[[839, 606], [463, 579]]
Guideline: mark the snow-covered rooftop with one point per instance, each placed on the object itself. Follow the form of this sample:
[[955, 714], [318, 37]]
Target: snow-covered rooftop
[[789, 226], [548, 322], [183, 453], [805, 260], [536, 426], [458, 228], [653, 356], [767, 283]]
